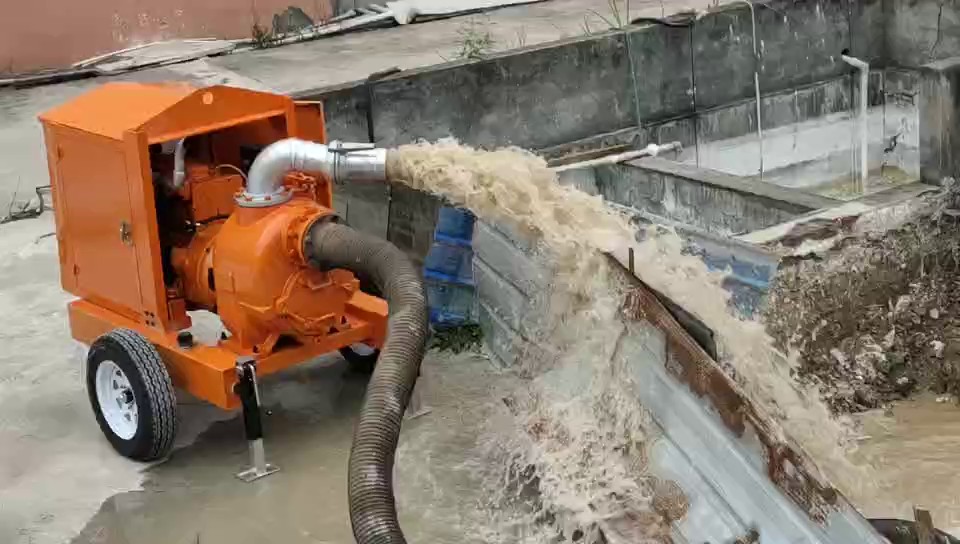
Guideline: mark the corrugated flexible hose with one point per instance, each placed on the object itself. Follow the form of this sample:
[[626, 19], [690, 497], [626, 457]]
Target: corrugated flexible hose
[[373, 512]]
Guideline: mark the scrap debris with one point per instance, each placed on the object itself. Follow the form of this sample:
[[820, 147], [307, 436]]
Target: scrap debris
[[876, 316], [27, 209]]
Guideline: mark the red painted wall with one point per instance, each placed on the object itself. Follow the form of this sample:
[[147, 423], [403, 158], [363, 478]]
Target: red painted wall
[[37, 34]]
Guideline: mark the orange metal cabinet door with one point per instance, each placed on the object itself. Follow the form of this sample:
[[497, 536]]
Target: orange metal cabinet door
[[310, 123], [92, 173]]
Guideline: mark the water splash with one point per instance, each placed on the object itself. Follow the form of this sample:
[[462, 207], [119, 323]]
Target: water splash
[[575, 442]]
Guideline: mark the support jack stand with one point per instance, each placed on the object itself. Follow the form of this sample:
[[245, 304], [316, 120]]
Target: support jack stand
[[249, 394]]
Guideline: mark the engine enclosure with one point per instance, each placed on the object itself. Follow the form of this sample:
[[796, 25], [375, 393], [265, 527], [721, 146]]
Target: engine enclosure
[[141, 252]]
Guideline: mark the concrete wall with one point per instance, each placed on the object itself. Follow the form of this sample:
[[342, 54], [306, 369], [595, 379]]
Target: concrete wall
[[921, 31], [799, 43], [713, 201], [56, 33], [924, 35], [647, 78], [807, 132], [940, 120], [544, 96]]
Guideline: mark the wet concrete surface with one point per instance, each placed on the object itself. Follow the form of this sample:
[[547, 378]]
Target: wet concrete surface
[[194, 496]]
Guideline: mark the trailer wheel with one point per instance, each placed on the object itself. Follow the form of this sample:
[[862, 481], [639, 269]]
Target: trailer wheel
[[131, 395], [362, 358]]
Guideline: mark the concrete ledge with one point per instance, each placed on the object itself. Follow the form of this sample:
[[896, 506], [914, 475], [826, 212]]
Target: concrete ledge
[[616, 141], [781, 197], [890, 205], [717, 203]]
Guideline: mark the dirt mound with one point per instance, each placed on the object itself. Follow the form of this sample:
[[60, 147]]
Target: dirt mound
[[876, 317]]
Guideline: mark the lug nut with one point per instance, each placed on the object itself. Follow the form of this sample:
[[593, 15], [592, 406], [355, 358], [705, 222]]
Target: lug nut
[[185, 339]]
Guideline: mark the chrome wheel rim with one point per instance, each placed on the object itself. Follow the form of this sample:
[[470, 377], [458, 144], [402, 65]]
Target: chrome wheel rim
[[117, 402], [363, 350]]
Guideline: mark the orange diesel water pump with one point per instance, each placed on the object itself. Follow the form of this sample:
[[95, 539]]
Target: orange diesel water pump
[[170, 199]]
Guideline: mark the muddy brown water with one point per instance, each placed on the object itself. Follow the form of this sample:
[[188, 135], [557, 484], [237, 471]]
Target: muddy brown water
[[917, 447]]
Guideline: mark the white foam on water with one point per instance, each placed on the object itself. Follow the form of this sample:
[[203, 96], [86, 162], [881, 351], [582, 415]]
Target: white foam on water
[[577, 435]]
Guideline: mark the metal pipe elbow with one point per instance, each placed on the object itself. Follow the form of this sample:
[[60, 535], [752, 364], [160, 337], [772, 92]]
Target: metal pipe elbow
[[341, 162], [855, 62]]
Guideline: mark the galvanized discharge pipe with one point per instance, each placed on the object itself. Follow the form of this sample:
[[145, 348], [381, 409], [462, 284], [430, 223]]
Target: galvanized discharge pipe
[[341, 162], [373, 512]]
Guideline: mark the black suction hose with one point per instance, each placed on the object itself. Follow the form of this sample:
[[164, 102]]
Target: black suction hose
[[373, 512]]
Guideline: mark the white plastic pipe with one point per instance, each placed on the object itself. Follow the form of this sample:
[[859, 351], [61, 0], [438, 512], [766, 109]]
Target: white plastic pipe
[[756, 82], [864, 81], [652, 150]]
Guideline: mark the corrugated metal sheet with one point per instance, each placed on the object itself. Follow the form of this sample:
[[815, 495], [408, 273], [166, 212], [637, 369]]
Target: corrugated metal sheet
[[734, 475], [737, 476]]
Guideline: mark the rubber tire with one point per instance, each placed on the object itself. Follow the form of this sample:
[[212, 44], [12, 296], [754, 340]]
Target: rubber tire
[[152, 389], [362, 364]]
